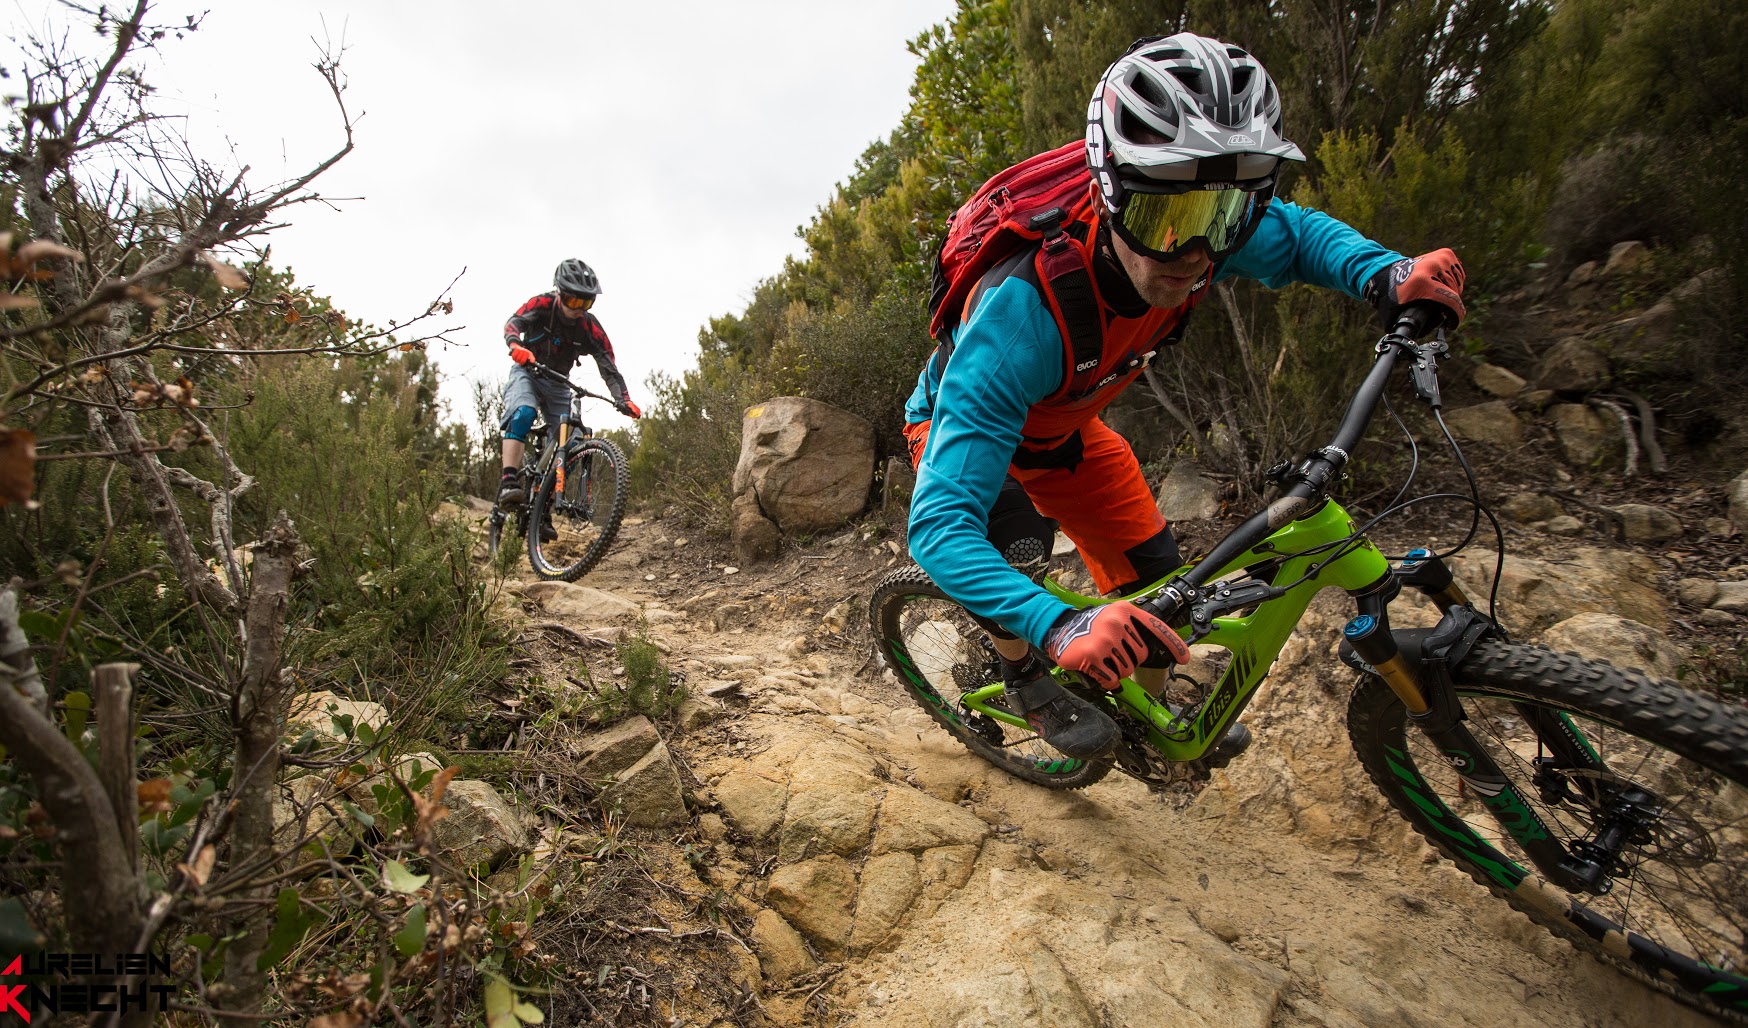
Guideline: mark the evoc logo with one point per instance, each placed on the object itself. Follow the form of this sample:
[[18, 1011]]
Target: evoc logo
[[1085, 365]]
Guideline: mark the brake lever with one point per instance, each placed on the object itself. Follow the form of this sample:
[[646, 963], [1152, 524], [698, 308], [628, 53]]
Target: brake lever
[[1424, 372]]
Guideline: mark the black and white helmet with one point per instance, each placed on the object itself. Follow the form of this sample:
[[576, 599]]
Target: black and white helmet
[[576, 278], [1183, 109]]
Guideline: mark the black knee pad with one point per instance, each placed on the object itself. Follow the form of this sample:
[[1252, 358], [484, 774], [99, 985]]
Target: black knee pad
[[1022, 536]]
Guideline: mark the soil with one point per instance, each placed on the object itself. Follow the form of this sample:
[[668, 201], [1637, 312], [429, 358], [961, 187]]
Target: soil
[[1285, 894]]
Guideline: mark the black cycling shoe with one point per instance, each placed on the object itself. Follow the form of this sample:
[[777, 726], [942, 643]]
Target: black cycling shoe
[[510, 491], [547, 532], [1062, 719]]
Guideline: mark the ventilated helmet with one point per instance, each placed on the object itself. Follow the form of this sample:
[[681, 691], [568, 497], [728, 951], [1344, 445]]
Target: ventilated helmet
[[576, 278], [1180, 114]]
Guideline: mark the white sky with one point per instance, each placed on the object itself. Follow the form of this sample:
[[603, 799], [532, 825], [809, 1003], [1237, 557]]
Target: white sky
[[675, 147]]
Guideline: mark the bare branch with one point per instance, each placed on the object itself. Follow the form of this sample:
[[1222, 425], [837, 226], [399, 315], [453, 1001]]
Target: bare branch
[[16, 666], [99, 889], [259, 712]]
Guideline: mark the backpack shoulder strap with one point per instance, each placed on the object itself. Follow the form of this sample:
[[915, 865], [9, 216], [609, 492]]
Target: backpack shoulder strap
[[1065, 269]]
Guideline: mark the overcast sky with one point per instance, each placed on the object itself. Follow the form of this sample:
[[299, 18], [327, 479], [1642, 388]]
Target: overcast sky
[[674, 146]]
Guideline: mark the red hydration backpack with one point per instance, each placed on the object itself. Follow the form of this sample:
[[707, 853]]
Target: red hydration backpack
[[1028, 203]]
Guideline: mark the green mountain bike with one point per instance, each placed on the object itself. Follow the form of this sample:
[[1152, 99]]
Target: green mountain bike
[[577, 486], [1609, 807]]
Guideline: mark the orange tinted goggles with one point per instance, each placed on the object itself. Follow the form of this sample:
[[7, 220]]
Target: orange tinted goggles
[[577, 303]]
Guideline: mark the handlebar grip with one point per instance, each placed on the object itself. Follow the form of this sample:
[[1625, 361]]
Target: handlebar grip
[[1417, 319]]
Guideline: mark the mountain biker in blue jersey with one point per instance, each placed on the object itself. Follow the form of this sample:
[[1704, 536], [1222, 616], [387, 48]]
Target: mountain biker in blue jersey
[[554, 330], [1183, 146]]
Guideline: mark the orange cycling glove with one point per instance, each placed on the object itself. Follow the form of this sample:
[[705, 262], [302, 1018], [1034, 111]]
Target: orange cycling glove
[[1108, 641], [1435, 277], [631, 410], [521, 354]]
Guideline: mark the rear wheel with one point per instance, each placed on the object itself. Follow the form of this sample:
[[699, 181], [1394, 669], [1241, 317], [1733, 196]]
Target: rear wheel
[[940, 655], [571, 526], [1640, 776]]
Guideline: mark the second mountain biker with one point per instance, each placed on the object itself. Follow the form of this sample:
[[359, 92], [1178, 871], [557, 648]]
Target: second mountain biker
[[556, 330]]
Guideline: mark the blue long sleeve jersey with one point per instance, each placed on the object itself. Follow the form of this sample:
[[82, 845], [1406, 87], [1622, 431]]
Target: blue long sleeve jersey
[[1007, 356]]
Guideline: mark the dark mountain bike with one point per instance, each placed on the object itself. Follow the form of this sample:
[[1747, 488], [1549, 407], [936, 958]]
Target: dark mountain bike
[[1609, 807], [577, 486]]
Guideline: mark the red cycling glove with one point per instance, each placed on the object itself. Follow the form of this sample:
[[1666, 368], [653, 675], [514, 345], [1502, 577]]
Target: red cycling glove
[[631, 409], [521, 354], [1435, 277], [1108, 641]]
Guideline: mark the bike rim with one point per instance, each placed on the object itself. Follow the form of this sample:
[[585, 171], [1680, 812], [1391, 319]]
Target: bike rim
[[1679, 883], [945, 658]]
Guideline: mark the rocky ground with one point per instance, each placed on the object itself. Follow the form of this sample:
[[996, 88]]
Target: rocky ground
[[831, 857], [878, 873]]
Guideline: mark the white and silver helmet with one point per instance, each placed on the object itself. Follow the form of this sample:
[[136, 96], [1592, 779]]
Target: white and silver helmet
[[1184, 109]]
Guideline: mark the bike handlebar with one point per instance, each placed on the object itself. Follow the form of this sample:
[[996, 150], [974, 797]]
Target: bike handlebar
[[1315, 474], [539, 371]]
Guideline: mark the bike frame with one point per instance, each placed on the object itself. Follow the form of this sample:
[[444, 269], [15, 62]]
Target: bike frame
[[1276, 576], [1254, 639]]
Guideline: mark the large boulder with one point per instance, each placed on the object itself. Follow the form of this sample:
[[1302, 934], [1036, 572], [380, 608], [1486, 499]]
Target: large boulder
[[1624, 643], [1535, 595], [808, 464]]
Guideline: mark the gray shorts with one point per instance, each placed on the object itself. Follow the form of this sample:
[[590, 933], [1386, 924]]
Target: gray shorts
[[524, 390]]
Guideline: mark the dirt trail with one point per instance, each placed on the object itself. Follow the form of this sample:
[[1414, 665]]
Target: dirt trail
[[1286, 894]]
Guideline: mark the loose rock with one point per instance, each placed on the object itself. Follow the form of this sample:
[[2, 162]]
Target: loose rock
[[649, 791], [1572, 366], [1492, 423], [481, 827], [783, 954]]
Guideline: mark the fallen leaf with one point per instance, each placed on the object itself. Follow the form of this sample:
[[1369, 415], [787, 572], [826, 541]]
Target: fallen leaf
[[16, 301], [154, 797], [225, 275], [201, 868], [17, 465], [292, 317]]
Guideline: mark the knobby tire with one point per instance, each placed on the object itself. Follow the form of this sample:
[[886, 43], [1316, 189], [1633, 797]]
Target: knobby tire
[[586, 521], [1679, 887], [937, 652]]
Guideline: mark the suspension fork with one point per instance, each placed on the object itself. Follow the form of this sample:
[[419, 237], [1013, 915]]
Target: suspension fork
[[1431, 699], [564, 437]]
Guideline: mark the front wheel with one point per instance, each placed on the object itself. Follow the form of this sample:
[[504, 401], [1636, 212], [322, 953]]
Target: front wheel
[[576, 511], [948, 665], [1641, 776]]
